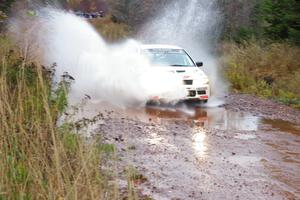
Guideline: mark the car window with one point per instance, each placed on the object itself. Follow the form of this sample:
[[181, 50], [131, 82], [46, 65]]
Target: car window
[[169, 57]]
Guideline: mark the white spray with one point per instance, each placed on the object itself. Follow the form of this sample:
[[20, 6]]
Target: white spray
[[195, 26], [117, 74]]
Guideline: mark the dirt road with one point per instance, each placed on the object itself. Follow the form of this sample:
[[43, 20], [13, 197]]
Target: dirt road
[[247, 149]]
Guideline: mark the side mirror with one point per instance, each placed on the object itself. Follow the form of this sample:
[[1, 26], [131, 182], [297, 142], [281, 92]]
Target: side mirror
[[199, 64]]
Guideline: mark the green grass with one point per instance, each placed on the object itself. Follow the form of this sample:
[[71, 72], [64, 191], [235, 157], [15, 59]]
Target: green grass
[[266, 70]]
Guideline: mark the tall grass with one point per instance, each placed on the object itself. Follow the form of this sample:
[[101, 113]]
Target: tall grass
[[266, 70], [39, 158]]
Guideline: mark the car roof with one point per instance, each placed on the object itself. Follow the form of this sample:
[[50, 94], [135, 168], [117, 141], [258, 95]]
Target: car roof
[[159, 46]]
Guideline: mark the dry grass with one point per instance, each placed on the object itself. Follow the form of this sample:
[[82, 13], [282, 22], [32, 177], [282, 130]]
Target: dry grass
[[110, 30], [267, 70], [39, 159]]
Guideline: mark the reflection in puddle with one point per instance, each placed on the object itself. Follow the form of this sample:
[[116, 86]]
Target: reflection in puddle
[[168, 113], [199, 142], [223, 119], [211, 118], [283, 126], [218, 118]]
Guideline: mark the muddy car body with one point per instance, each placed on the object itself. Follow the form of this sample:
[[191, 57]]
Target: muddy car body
[[176, 60]]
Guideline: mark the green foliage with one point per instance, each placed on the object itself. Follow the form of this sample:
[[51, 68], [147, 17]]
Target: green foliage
[[281, 20], [266, 70], [240, 20], [5, 5], [61, 100], [59, 95], [4, 12], [273, 20], [3, 16], [107, 148], [244, 34], [69, 138]]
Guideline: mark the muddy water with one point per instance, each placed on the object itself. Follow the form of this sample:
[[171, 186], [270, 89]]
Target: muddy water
[[265, 152], [211, 118], [191, 152], [283, 126]]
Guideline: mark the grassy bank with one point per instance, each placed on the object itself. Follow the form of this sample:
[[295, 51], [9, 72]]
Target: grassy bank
[[267, 70], [39, 158]]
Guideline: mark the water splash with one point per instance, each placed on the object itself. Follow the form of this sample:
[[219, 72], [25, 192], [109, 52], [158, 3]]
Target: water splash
[[116, 74], [195, 26]]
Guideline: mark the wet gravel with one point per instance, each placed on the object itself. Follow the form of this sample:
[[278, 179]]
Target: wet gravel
[[262, 107], [181, 159]]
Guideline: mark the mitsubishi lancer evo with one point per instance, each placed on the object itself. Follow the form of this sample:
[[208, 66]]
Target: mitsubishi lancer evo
[[175, 59]]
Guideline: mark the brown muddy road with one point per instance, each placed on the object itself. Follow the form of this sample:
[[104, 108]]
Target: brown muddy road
[[247, 149]]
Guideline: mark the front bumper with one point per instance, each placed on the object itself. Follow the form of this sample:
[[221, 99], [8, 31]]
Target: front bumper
[[195, 92], [201, 92]]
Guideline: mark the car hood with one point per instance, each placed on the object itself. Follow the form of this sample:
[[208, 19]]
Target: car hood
[[183, 72]]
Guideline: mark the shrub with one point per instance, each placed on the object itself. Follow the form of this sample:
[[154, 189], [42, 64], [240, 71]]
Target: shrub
[[111, 30], [267, 70]]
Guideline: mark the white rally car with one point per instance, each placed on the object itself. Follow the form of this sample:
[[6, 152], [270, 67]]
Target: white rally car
[[176, 59]]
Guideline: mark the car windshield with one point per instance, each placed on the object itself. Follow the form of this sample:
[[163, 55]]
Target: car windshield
[[169, 57]]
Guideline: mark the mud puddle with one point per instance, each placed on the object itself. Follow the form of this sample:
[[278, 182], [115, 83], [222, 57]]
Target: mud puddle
[[212, 118], [191, 152], [239, 146], [283, 126]]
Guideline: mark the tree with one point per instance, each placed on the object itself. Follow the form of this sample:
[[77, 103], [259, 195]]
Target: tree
[[281, 20], [5, 5], [239, 19], [135, 12], [4, 10]]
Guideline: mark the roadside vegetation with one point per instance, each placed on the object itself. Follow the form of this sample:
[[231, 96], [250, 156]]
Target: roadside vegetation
[[266, 70], [44, 159], [262, 58], [41, 156], [112, 30]]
